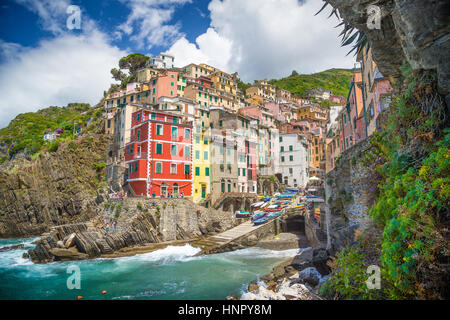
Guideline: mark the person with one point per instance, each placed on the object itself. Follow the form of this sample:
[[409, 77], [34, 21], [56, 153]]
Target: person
[[153, 195], [182, 195]]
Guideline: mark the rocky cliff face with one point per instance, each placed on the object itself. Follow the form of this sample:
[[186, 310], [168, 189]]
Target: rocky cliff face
[[139, 222], [350, 189], [54, 189], [415, 30]]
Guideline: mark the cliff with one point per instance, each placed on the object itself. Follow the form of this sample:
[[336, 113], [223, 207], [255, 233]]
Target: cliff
[[53, 189], [416, 31]]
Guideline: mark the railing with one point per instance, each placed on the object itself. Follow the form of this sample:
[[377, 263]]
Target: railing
[[135, 156]]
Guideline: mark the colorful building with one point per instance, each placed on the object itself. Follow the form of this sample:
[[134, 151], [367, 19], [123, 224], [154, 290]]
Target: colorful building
[[159, 155]]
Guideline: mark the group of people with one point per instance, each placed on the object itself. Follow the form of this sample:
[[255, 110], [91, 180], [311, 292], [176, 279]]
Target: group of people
[[109, 226]]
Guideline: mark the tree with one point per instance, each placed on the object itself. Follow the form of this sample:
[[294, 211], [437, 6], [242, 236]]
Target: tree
[[133, 62], [118, 75], [294, 73]]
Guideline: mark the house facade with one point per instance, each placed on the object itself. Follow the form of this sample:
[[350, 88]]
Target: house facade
[[159, 155]]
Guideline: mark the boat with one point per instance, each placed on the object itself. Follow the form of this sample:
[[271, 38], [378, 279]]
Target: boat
[[242, 214], [257, 204], [258, 215], [301, 205], [274, 214], [260, 221], [272, 208]]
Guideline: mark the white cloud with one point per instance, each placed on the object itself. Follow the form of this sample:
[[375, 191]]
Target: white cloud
[[71, 67], [210, 48], [267, 39], [148, 23]]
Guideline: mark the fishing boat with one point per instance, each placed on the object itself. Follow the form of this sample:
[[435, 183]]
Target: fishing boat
[[257, 204], [260, 221], [274, 214], [242, 214], [273, 208], [258, 215], [301, 205]]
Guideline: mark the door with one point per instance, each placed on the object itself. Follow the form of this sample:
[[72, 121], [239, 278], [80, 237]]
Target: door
[[164, 190], [203, 191], [175, 189]]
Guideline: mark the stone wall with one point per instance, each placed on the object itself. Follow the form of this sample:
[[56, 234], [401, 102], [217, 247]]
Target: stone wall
[[350, 189]]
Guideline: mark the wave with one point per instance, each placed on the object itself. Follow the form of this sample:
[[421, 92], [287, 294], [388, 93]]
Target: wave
[[167, 255]]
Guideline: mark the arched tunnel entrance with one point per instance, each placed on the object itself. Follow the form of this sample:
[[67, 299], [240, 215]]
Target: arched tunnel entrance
[[293, 223]]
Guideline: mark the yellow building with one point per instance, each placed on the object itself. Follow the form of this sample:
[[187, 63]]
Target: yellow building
[[313, 112], [146, 74], [263, 89], [210, 97], [201, 156]]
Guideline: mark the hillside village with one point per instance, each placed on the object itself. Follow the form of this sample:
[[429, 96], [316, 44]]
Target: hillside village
[[192, 132]]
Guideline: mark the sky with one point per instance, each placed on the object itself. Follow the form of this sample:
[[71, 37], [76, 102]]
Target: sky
[[45, 63]]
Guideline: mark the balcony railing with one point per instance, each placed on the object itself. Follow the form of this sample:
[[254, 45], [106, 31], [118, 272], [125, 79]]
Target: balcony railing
[[136, 156]]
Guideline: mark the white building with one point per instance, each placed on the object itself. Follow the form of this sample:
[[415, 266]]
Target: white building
[[162, 61], [294, 159]]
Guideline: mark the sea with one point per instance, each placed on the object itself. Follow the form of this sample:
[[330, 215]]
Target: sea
[[173, 273]]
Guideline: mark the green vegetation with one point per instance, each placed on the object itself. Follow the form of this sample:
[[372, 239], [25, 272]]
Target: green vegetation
[[243, 86], [131, 63], [26, 131], [336, 80], [412, 155]]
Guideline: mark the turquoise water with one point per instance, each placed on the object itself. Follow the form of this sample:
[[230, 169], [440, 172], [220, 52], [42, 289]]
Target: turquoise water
[[170, 273]]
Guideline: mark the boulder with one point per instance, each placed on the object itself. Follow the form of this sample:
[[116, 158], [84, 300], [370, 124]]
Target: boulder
[[70, 241], [309, 275], [60, 244], [319, 261], [67, 255]]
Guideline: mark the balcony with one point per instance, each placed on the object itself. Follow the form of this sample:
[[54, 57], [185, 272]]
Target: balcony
[[136, 156]]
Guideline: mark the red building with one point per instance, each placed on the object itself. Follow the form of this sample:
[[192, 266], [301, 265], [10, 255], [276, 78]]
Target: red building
[[159, 155]]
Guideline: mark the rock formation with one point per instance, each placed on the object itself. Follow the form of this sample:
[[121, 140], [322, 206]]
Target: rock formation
[[413, 30], [138, 222], [55, 189]]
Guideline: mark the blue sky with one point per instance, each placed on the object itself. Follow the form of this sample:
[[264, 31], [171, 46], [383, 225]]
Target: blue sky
[[43, 63]]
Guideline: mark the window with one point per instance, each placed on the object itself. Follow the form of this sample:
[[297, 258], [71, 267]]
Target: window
[[174, 132], [187, 152], [207, 172], [159, 129], [205, 155], [187, 133], [282, 158], [139, 135], [239, 171], [138, 116], [281, 139], [173, 149], [291, 158], [159, 148], [290, 148], [187, 169], [173, 168], [158, 167], [222, 187], [291, 171], [229, 187], [197, 171], [243, 172], [197, 155], [282, 149]]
